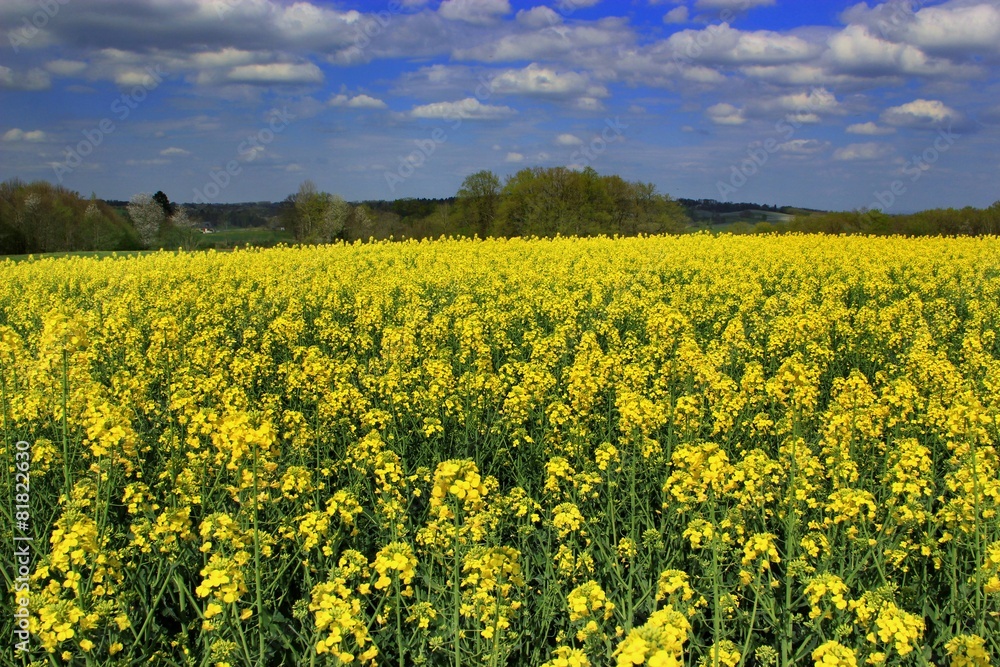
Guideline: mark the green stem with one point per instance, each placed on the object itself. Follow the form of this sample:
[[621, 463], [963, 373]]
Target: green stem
[[256, 559], [65, 428]]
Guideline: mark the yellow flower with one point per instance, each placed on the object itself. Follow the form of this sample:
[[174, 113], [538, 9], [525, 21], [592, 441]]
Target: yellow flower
[[834, 654], [968, 651]]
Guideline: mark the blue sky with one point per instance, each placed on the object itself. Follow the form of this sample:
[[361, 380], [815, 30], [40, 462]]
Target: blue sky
[[826, 104]]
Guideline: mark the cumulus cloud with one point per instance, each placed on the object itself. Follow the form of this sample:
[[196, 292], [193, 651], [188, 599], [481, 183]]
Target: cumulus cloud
[[952, 28], [869, 128], [537, 80], [733, 5], [920, 113], [32, 79], [191, 25], [568, 139], [468, 109], [66, 67], [804, 118], [17, 134], [722, 44], [726, 114], [677, 15], [949, 29], [857, 50], [573, 5], [539, 17], [481, 12], [514, 158], [174, 151], [275, 73], [866, 151], [566, 42], [357, 102], [803, 146], [817, 100]]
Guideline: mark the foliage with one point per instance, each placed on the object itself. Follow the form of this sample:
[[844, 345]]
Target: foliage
[[317, 217], [39, 217], [164, 202], [966, 221], [478, 201], [546, 202]]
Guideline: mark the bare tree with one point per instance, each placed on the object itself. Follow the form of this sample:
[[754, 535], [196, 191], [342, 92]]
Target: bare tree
[[184, 226], [147, 217]]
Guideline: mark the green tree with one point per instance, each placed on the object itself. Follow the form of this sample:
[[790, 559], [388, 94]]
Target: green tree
[[317, 217], [479, 201], [164, 202]]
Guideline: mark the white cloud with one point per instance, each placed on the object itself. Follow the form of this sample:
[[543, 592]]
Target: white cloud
[[514, 158], [468, 109], [17, 134], [66, 67], [952, 28], [537, 80], [803, 118], [480, 12], [357, 102], [566, 42], [920, 113], [956, 29], [869, 128], [677, 15], [867, 151], [734, 5], [573, 5], [180, 152], [726, 114], [128, 77], [804, 146], [228, 57], [856, 49], [275, 73], [569, 140], [33, 79], [539, 17], [722, 44], [587, 103], [817, 100]]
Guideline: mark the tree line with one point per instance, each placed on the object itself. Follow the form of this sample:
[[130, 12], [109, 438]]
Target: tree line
[[967, 221], [40, 217]]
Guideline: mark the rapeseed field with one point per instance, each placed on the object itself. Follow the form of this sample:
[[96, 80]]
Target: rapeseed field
[[700, 451]]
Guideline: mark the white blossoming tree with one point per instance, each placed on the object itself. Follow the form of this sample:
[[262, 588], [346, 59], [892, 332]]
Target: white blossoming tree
[[147, 216]]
